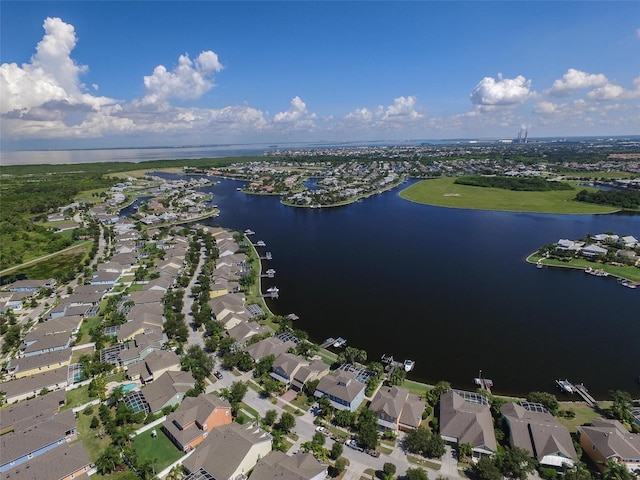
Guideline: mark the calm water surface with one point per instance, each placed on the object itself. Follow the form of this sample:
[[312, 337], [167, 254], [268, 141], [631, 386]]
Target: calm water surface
[[448, 288]]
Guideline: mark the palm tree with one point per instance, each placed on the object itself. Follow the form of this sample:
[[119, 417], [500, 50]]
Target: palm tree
[[106, 463], [397, 376], [616, 471]]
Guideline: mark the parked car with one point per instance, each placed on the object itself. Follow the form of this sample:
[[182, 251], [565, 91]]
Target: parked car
[[217, 374], [351, 443], [322, 429]]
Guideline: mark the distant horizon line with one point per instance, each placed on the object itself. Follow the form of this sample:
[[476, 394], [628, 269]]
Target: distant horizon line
[[333, 143]]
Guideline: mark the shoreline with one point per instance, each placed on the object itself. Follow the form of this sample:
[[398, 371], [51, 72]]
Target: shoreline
[[529, 260]]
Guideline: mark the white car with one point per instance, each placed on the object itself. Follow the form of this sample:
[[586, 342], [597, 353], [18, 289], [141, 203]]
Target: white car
[[322, 429]]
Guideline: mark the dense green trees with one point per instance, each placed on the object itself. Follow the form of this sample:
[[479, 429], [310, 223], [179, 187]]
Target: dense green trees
[[529, 184], [617, 198]]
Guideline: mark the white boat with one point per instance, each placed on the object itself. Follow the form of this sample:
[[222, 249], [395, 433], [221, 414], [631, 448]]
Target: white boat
[[565, 386], [249, 232], [340, 342], [408, 365]]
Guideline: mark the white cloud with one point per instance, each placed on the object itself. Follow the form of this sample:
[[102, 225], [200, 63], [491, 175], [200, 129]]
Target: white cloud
[[574, 80], [507, 91], [403, 108], [362, 115], [297, 117], [188, 81], [546, 108]]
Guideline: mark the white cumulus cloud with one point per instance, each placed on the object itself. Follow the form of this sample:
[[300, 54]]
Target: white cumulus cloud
[[297, 113], [504, 91], [574, 80], [403, 108], [188, 81]]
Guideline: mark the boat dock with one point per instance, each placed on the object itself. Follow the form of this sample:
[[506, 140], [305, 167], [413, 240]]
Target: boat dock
[[484, 383], [272, 292], [328, 342], [584, 393], [267, 256], [269, 273]]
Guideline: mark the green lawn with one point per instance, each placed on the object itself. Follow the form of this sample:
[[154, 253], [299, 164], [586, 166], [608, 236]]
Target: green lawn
[[78, 396], [90, 439], [159, 450], [444, 192], [584, 415], [85, 327]]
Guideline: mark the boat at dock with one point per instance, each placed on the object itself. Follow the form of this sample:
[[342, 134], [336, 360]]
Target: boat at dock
[[408, 365], [483, 382], [249, 232], [565, 386], [340, 342]]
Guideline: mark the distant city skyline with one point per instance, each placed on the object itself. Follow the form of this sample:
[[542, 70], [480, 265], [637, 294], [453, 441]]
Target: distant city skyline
[[83, 74]]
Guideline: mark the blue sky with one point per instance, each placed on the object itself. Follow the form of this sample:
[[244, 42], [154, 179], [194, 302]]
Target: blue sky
[[114, 74]]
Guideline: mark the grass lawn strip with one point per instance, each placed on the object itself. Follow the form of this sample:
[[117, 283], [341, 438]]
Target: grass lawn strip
[[443, 192], [626, 272], [160, 450]]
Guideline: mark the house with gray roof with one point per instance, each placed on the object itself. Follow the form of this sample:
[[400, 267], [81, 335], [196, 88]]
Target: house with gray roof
[[23, 415], [154, 365], [593, 251], [534, 429], [22, 388], [65, 461], [169, 389], [285, 366], [19, 446], [229, 451], [343, 389], [397, 409], [465, 417], [606, 440], [279, 465], [31, 365]]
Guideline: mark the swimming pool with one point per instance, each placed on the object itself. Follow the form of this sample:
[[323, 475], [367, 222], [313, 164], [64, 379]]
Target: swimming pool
[[126, 388]]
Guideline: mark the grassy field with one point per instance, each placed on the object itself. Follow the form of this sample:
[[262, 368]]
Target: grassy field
[[444, 193]]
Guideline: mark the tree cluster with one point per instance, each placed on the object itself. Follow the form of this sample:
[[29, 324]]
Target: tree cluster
[[518, 184]]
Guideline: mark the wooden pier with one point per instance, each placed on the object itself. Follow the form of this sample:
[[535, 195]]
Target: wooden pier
[[328, 342], [267, 256], [583, 392]]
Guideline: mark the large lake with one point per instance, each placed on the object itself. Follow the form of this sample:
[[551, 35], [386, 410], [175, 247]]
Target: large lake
[[448, 288]]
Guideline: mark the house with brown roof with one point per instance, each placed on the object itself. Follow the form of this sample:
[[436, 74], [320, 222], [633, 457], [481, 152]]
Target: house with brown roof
[[269, 346], [465, 417], [343, 389], [397, 409], [316, 369], [279, 465], [534, 429], [606, 440], [229, 451], [242, 332], [195, 418]]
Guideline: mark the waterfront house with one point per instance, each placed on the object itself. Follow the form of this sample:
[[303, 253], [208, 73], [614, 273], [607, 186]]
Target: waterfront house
[[629, 241], [465, 417], [343, 390], [565, 244], [195, 418], [396, 409], [593, 251], [299, 466], [606, 440], [534, 429], [244, 330], [229, 451]]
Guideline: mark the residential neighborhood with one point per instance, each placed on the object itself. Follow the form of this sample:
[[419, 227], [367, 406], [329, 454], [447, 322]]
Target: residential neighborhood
[[161, 360]]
